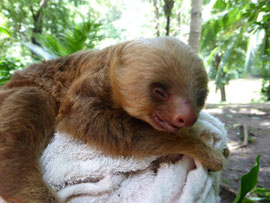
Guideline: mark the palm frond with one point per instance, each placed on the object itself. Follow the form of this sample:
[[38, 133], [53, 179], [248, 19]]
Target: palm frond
[[39, 51], [80, 36], [255, 39]]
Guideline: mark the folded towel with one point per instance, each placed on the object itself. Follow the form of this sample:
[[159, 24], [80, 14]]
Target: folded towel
[[80, 173]]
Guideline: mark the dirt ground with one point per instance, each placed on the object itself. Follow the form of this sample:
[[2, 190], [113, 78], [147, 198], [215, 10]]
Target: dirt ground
[[257, 119]]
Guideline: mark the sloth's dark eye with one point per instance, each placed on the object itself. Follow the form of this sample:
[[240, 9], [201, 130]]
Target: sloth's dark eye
[[159, 92]]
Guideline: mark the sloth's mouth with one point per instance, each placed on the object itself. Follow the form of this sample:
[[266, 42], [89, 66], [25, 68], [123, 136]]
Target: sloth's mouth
[[164, 125]]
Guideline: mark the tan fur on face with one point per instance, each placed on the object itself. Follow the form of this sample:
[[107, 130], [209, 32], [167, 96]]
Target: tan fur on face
[[166, 60]]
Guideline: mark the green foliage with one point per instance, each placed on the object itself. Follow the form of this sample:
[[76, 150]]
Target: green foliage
[[220, 78], [264, 71], [248, 182], [80, 36], [48, 28], [112, 15], [266, 85], [236, 38], [224, 42], [258, 54], [7, 67], [261, 194], [26, 18], [56, 15], [224, 23], [39, 52], [5, 31], [258, 16]]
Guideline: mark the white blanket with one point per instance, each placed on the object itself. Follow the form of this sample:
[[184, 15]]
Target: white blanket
[[82, 174]]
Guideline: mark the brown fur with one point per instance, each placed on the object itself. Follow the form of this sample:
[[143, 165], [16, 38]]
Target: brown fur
[[102, 98]]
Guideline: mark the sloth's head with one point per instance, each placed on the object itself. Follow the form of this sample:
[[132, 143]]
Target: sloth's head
[[160, 81]]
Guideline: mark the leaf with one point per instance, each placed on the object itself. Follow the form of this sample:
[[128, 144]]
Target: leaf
[[80, 36], [248, 182], [213, 53], [39, 51], [253, 199], [7, 67], [255, 40], [51, 44], [262, 193], [4, 31]]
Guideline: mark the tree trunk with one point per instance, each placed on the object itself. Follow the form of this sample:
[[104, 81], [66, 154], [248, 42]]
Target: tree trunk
[[223, 93], [157, 27], [221, 87], [168, 6], [38, 20], [168, 25], [37, 26], [195, 25]]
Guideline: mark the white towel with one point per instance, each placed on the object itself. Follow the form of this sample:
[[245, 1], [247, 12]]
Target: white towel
[[82, 174]]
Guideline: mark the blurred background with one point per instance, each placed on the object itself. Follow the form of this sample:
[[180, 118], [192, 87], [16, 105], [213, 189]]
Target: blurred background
[[231, 36]]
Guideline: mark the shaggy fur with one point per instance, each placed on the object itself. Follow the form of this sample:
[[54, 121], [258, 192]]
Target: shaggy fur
[[102, 98]]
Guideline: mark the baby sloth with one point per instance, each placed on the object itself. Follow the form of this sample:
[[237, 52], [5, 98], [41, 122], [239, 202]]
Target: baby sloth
[[136, 99]]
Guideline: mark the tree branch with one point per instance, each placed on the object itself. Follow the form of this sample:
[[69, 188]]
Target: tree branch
[[43, 3]]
